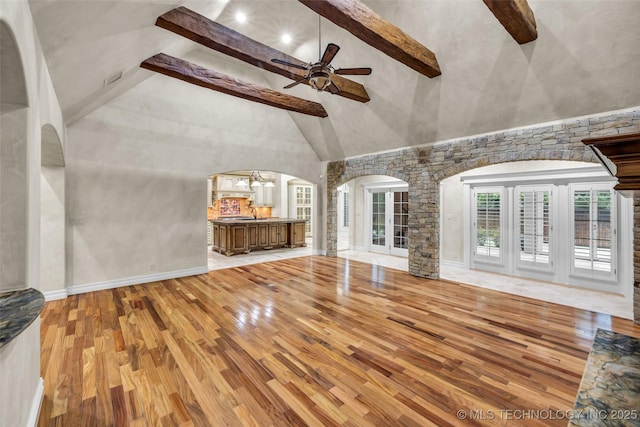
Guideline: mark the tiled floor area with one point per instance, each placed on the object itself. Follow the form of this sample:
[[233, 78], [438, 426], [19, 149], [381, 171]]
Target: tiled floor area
[[600, 302]]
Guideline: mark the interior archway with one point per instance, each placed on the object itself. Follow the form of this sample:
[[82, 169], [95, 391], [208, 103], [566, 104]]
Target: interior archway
[[372, 220], [244, 210], [13, 164]]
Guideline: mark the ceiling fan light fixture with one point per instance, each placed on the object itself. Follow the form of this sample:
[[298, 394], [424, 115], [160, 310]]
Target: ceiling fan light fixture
[[320, 82]]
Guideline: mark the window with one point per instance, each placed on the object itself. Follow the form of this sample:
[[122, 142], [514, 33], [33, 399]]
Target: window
[[593, 231], [303, 205], [345, 210], [534, 227], [488, 223]]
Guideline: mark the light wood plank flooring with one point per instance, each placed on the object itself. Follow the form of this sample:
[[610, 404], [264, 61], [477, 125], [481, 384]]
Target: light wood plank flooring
[[310, 341]]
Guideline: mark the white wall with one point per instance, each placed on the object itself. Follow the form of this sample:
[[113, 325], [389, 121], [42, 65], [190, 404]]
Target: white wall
[[52, 231], [20, 359], [137, 169], [13, 209]]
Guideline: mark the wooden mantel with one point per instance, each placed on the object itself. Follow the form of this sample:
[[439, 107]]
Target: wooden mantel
[[620, 154]]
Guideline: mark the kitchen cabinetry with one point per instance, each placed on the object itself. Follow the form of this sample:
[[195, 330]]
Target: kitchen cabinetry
[[263, 196], [231, 183], [242, 236]]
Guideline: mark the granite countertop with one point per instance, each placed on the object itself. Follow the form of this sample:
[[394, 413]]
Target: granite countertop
[[17, 310], [248, 220], [609, 394]]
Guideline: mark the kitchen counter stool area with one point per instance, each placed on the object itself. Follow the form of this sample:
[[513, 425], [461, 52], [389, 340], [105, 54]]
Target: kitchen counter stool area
[[242, 235]]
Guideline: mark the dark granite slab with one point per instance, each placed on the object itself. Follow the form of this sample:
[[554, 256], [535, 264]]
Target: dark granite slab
[[609, 394], [17, 310]]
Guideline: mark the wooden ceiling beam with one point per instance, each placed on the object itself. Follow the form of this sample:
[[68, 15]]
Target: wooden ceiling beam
[[204, 77], [364, 23], [213, 35], [516, 17]]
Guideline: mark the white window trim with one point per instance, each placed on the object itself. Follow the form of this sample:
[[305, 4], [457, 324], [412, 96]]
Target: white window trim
[[589, 273], [499, 260]]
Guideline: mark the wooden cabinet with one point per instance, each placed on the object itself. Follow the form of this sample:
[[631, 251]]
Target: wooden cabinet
[[297, 233], [232, 237], [273, 236], [283, 234], [263, 235], [253, 236]]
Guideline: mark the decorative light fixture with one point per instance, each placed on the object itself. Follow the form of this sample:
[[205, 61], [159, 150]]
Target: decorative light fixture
[[242, 183], [319, 77], [258, 180]]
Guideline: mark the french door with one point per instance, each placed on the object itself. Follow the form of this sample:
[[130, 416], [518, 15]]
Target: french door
[[388, 225]]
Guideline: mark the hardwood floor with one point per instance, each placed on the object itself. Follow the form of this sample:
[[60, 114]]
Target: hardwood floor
[[310, 341]]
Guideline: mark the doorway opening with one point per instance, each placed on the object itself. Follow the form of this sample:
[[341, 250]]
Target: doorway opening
[[268, 215]]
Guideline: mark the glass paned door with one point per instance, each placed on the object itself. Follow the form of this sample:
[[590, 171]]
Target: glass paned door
[[488, 224], [593, 234], [535, 227], [389, 232], [400, 221], [378, 221]]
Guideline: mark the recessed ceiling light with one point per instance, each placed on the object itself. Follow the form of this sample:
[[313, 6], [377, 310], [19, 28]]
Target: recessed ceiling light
[[286, 38], [241, 17]]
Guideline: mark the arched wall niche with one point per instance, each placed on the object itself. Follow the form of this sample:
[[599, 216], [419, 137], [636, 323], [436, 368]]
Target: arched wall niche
[[51, 147], [12, 80]]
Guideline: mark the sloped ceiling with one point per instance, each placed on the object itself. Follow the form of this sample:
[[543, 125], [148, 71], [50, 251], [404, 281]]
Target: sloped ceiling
[[586, 60]]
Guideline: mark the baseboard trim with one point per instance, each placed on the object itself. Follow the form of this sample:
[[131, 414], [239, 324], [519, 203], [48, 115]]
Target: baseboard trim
[[54, 295], [455, 264], [320, 252], [35, 405], [135, 280]]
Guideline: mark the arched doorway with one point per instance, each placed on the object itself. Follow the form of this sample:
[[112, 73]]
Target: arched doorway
[[13, 164], [373, 220]]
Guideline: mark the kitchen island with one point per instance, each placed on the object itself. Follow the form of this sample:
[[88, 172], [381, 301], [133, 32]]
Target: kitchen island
[[245, 234]]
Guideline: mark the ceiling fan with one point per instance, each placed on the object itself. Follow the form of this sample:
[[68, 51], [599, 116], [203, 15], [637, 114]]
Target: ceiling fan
[[319, 72]]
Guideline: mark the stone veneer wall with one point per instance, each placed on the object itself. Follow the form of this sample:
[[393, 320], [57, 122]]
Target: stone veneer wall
[[423, 167], [636, 257]]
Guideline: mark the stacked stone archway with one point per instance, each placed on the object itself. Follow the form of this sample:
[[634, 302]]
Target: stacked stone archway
[[423, 167]]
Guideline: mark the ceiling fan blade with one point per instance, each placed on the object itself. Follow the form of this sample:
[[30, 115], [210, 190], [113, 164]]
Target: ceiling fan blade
[[333, 88], [329, 53], [364, 71], [289, 64], [297, 82]]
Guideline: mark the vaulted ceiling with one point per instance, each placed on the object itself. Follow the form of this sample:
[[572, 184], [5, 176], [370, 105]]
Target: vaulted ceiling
[[585, 60]]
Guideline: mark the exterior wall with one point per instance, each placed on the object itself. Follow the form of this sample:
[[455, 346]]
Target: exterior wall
[[423, 167]]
